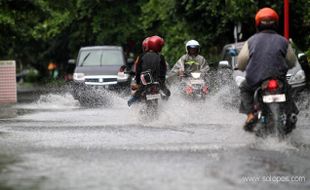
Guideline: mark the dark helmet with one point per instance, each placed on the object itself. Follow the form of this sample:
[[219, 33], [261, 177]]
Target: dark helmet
[[145, 44], [266, 18], [155, 43]]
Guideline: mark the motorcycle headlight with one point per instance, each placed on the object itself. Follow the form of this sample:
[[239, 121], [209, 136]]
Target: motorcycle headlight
[[196, 75], [298, 77], [79, 76]]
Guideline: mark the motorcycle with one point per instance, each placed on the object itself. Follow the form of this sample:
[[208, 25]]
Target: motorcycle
[[194, 86], [272, 105], [149, 95]]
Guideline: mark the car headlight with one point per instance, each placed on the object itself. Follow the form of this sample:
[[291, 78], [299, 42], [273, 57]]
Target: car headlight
[[121, 76], [79, 76], [298, 77]]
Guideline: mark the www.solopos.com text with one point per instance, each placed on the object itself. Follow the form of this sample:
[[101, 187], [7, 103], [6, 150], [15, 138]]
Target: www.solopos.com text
[[273, 179]]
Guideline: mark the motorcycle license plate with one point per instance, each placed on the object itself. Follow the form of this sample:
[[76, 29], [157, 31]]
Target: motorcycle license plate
[[274, 98], [197, 81], [152, 96]]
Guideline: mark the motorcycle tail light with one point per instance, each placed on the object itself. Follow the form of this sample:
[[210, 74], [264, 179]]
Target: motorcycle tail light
[[154, 89], [205, 89], [188, 90], [272, 85]]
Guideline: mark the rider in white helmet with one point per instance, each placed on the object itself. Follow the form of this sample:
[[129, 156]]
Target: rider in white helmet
[[191, 61]]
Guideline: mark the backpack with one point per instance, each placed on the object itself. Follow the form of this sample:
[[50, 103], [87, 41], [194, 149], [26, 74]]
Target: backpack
[[150, 64]]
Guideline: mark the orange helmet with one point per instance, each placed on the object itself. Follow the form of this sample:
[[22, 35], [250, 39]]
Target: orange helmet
[[155, 43], [266, 16]]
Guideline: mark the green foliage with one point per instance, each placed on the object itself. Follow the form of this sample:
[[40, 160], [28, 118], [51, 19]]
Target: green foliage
[[158, 18], [36, 31]]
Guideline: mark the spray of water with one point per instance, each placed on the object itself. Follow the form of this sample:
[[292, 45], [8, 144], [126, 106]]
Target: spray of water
[[52, 101], [213, 122]]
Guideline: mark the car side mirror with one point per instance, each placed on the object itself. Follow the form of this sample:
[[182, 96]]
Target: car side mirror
[[224, 64], [233, 52], [71, 61]]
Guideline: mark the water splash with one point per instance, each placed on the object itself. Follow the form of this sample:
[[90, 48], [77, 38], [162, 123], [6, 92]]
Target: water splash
[[275, 144], [52, 101], [215, 121]]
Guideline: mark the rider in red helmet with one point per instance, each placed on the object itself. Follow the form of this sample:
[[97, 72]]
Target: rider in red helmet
[[153, 61], [265, 54], [134, 86]]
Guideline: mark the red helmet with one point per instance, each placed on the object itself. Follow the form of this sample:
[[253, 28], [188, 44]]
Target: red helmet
[[145, 44], [266, 16], [155, 43]]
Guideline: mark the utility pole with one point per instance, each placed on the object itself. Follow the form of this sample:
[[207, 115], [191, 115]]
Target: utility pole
[[286, 19]]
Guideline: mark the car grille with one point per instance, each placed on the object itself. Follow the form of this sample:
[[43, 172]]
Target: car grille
[[101, 80], [109, 79], [91, 80]]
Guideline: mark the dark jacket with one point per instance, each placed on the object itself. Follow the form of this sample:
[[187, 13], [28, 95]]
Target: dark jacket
[[154, 62], [266, 54]]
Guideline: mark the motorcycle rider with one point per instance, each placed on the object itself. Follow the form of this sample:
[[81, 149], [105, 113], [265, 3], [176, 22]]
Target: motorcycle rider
[[134, 86], [191, 61], [265, 54], [151, 60]]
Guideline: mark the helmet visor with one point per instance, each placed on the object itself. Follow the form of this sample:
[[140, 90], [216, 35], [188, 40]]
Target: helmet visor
[[193, 46]]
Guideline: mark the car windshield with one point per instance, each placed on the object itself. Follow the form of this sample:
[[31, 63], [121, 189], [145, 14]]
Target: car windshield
[[100, 58]]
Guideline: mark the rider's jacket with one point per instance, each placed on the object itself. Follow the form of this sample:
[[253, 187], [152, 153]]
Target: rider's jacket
[[153, 62], [190, 64], [266, 54]]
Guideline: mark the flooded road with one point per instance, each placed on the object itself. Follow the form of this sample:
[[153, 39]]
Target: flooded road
[[54, 143]]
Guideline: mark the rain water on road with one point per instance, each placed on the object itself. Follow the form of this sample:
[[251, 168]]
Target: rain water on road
[[54, 143]]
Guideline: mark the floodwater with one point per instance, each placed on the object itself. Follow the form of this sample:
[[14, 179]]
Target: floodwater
[[54, 143]]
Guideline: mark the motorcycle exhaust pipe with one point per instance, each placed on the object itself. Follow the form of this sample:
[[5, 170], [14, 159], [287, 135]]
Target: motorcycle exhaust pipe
[[293, 118]]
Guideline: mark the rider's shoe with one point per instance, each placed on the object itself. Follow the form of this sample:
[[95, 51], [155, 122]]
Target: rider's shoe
[[250, 122]]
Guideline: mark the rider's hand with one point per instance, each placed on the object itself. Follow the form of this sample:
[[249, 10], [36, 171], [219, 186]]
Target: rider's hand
[[134, 86]]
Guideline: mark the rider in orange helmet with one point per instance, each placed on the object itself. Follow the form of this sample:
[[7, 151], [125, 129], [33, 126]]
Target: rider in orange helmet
[[265, 54]]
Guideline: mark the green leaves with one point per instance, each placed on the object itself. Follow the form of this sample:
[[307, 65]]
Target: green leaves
[[38, 30], [52, 26]]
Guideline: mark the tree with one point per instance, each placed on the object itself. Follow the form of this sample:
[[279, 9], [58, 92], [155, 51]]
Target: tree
[[36, 31]]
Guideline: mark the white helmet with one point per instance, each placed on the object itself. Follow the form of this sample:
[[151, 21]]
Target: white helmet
[[192, 44]]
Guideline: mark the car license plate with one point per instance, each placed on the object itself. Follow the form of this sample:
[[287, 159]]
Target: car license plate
[[197, 81], [152, 96], [274, 98]]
